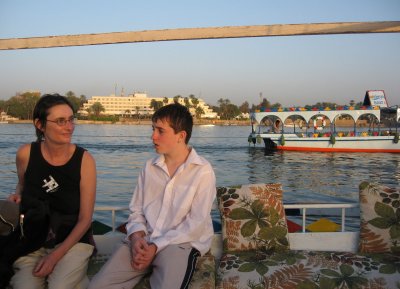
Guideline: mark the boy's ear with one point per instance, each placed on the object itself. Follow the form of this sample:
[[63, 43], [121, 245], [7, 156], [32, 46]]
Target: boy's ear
[[182, 136]]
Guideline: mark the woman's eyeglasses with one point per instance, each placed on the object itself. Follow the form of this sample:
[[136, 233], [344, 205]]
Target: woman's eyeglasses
[[63, 121]]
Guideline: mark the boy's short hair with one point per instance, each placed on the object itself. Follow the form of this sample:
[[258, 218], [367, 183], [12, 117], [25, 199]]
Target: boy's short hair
[[178, 117]]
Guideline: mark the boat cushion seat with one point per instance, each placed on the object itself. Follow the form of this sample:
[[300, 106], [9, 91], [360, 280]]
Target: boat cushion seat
[[308, 269], [379, 218], [254, 255], [253, 217]]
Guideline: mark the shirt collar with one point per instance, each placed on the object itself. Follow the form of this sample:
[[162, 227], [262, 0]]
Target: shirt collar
[[193, 158]]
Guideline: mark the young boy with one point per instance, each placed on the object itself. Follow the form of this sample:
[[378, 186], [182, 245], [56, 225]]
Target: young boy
[[170, 223]]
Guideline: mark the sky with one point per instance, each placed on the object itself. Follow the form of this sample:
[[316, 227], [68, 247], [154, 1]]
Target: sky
[[290, 70]]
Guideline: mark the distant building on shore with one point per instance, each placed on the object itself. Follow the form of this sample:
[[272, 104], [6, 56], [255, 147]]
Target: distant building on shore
[[139, 103], [4, 118]]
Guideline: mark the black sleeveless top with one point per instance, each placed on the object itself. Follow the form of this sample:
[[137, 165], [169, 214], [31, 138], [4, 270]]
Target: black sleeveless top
[[59, 188]]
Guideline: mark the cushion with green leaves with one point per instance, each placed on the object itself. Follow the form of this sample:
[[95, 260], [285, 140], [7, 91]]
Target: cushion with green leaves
[[308, 269], [253, 217], [379, 218]]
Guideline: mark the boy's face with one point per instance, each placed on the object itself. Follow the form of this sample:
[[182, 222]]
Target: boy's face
[[164, 138]]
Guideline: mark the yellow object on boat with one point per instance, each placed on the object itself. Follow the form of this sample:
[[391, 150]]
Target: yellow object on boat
[[323, 225]]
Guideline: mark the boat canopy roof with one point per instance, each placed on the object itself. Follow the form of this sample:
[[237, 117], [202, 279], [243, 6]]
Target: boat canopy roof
[[310, 114]]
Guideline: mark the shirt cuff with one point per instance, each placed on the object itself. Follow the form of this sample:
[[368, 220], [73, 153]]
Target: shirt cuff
[[132, 228]]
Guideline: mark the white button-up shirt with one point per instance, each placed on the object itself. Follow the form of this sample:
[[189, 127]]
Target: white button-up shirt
[[174, 210]]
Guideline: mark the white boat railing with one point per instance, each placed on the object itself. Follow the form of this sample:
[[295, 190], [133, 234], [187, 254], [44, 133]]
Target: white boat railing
[[304, 207], [113, 210]]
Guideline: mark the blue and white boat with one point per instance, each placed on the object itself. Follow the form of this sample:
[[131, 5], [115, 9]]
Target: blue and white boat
[[373, 127]]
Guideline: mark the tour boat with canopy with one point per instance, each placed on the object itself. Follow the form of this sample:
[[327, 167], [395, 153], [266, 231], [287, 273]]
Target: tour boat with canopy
[[373, 127]]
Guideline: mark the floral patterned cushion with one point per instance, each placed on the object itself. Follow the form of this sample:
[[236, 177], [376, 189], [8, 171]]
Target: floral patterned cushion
[[380, 219], [306, 269], [253, 217]]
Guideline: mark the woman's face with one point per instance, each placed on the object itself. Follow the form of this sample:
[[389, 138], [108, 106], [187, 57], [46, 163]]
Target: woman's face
[[59, 125]]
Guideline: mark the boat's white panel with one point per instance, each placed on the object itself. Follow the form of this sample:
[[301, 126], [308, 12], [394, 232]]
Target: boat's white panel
[[329, 241]]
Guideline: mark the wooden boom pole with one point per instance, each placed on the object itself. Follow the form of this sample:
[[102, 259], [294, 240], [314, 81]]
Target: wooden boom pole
[[200, 33]]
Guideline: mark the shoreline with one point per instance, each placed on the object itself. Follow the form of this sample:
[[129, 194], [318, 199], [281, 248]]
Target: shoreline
[[148, 122], [208, 122]]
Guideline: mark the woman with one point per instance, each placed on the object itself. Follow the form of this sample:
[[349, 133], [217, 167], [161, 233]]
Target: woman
[[61, 176]]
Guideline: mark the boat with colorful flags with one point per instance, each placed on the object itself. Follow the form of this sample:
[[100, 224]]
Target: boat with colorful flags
[[372, 127]]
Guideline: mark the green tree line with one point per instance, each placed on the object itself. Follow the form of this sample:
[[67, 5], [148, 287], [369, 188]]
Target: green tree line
[[21, 105]]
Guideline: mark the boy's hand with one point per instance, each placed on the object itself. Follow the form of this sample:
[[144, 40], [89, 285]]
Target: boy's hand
[[142, 254], [145, 258]]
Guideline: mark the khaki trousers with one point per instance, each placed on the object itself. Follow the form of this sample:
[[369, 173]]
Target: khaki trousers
[[172, 268], [69, 273]]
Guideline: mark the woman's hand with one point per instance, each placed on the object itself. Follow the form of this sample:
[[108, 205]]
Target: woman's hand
[[16, 198], [45, 266]]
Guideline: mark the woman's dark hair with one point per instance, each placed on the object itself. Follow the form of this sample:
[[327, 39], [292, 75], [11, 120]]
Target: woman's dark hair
[[41, 110], [178, 117]]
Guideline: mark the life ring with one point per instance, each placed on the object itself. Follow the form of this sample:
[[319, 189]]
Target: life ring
[[323, 122]]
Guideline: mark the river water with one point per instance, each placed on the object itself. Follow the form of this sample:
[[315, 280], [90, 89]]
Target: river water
[[121, 150]]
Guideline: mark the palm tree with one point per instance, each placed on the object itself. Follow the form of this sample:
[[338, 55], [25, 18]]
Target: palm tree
[[187, 103], [97, 108], [265, 103], [70, 94], [199, 112], [194, 100], [75, 101], [138, 113], [176, 98], [223, 105], [82, 99], [244, 108], [154, 104]]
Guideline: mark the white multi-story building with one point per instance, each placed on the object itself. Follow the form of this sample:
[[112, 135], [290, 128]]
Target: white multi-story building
[[138, 103]]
